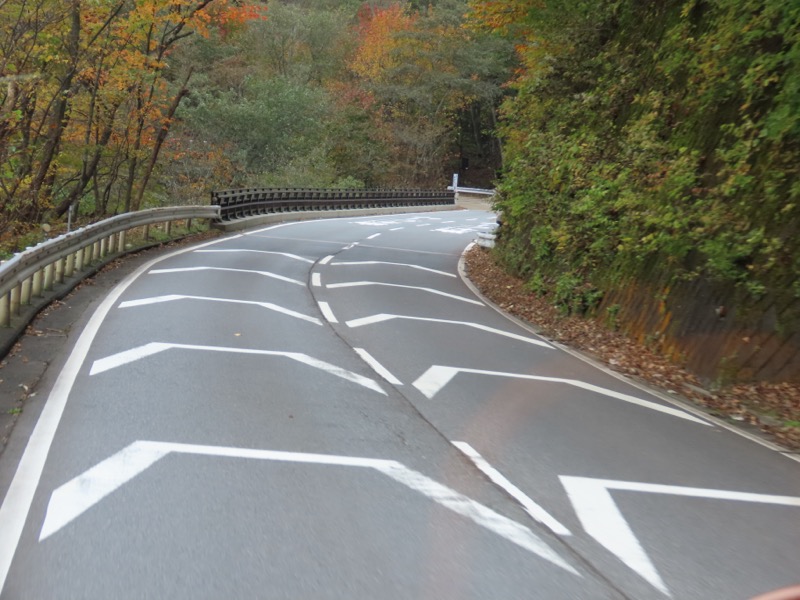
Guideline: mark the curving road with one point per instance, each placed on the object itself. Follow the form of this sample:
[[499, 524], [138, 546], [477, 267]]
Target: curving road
[[326, 410]]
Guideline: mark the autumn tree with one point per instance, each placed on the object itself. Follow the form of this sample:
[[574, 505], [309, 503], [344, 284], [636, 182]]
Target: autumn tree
[[436, 86], [88, 97]]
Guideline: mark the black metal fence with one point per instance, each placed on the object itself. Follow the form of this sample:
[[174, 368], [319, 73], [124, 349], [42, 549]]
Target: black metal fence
[[239, 204]]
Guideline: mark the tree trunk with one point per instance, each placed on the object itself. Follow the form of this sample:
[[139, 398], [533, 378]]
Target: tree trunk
[[163, 132], [43, 179]]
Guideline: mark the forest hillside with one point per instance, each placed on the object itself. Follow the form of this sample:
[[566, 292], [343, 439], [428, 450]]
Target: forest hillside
[[646, 153], [650, 177], [108, 106]]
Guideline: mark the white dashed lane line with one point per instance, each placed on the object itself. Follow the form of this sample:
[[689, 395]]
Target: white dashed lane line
[[325, 308], [377, 367], [533, 509]]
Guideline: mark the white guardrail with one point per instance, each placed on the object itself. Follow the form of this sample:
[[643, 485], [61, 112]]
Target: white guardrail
[[471, 191], [35, 270]]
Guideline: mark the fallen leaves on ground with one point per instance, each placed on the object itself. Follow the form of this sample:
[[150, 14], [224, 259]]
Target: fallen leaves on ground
[[774, 408]]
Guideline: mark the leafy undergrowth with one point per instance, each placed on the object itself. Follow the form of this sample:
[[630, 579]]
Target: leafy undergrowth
[[772, 408]]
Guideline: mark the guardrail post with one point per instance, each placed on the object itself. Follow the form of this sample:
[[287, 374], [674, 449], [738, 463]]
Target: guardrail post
[[48, 276], [5, 312], [121, 242], [188, 225], [60, 270], [13, 296], [95, 251], [147, 232], [103, 247], [69, 265], [79, 260], [25, 292], [168, 227], [36, 286]]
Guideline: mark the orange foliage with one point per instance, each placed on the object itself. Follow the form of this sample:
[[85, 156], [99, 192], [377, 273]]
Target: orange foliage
[[505, 16], [377, 32]]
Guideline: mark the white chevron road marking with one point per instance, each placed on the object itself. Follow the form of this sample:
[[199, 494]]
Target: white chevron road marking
[[245, 250], [379, 318], [397, 285], [602, 519], [394, 264], [176, 297], [128, 356], [435, 378], [250, 271], [78, 495]]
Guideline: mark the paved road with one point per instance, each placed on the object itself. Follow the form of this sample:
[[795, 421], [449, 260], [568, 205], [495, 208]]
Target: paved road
[[325, 410]]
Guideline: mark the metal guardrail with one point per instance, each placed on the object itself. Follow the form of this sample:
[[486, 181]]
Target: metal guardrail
[[472, 191], [239, 204], [37, 269]]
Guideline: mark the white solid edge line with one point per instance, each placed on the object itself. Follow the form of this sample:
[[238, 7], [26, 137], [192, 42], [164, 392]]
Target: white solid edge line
[[791, 456], [325, 308], [532, 508], [683, 405], [377, 367], [18, 499]]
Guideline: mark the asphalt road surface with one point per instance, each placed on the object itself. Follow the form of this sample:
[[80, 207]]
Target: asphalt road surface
[[326, 410]]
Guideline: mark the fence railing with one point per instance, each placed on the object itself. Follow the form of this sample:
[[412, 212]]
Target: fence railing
[[36, 270], [472, 191], [239, 204]]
